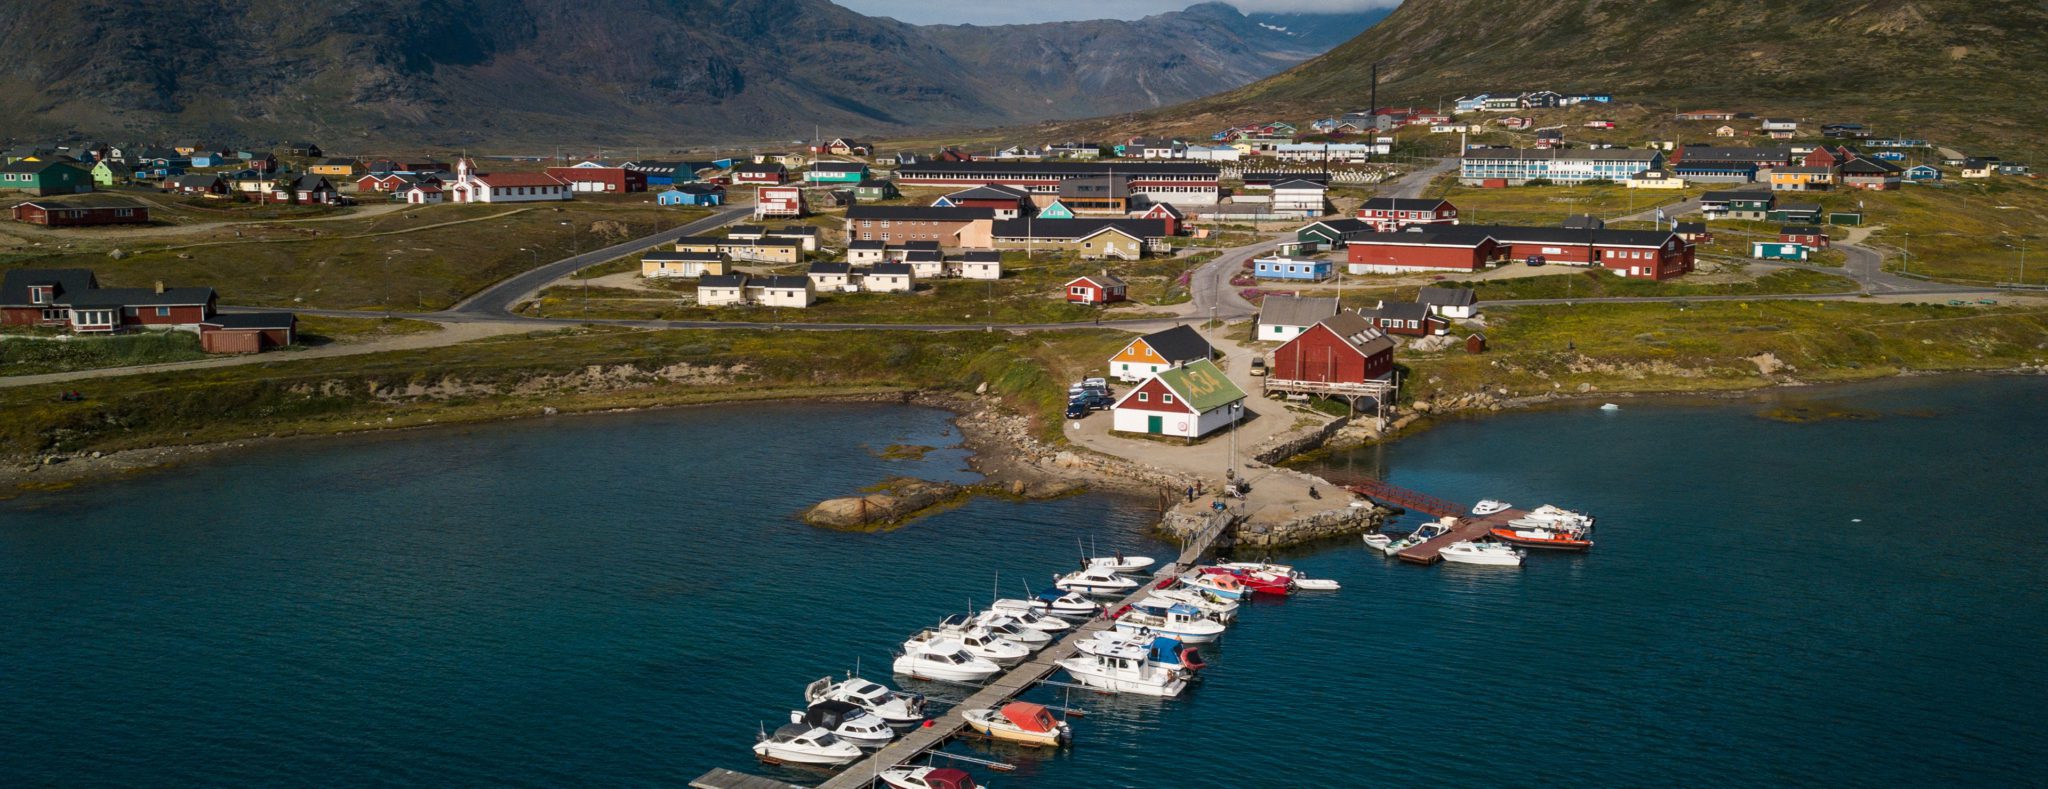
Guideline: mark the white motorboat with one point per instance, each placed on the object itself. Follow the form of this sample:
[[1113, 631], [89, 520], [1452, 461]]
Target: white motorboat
[[943, 659], [1122, 667], [1424, 533], [1094, 581], [1300, 581], [1119, 563], [926, 778], [894, 707], [1490, 554], [1214, 607], [1216, 584], [847, 721], [1020, 610], [1166, 651], [1378, 541], [1177, 620], [1053, 602], [1490, 506], [1020, 722], [1008, 627], [977, 641], [797, 743]]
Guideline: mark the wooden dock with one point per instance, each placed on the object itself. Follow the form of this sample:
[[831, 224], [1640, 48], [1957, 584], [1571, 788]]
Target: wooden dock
[[1007, 686], [1468, 528]]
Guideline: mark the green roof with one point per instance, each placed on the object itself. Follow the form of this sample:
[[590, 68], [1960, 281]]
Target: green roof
[[1202, 384]]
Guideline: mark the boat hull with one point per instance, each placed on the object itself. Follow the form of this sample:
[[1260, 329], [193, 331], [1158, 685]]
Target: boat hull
[[1168, 689], [1050, 739], [922, 670], [1177, 635], [773, 755], [1511, 537]]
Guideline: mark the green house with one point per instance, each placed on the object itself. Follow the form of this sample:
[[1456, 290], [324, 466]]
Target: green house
[[108, 174], [1795, 214], [1775, 250], [1330, 233], [43, 179], [1056, 210], [873, 189]]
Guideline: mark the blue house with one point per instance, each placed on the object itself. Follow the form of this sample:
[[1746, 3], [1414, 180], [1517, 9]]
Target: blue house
[[1923, 172], [692, 194], [207, 160], [1291, 269]]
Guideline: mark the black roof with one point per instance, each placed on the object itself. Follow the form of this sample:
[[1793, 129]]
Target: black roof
[[779, 282], [1862, 166], [823, 267], [921, 255], [14, 285], [931, 245], [892, 269], [919, 212], [253, 320], [669, 256], [1460, 235], [1399, 310], [745, 230], [1180, 343], [852, 245], [1448, 297], [723, 281], [1345, 226], [1690, 227], [141, 297], [1400, 204], [839, 167], [1799, 230], [982, 256], [1812, 208], [1745, 194], [1058, 169], [1559, 235]]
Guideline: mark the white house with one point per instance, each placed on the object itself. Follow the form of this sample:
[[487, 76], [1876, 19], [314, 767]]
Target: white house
[[423, 193], [866, 253], [981, 265], [785, 291], [889, 278], [1655, 179], [832, 277], [1190, 401], [686, 265], [1214, 153], [1298, 195], [1282, 318], [1460, 303], [925, 263], [470, 186], [722, 290]]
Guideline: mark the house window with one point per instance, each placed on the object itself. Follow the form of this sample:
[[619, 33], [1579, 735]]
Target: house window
[[53, 315], [1144, 397], [163, 312], [38, 295], [1166, 399]]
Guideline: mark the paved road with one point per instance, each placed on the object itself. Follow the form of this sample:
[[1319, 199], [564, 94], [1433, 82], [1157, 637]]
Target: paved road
[[496, 302], [1415, 183]]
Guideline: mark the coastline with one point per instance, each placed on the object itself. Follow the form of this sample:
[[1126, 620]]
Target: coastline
[[1001, 444]]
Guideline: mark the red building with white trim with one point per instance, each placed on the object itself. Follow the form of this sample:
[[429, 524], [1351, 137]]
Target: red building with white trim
[[1342, 349], [1104, 288]]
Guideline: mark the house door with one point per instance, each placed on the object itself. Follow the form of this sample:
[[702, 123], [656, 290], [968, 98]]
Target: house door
[[1155, 424]]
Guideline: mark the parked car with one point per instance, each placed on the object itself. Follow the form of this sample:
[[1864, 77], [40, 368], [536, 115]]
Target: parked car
[[1098, 401], [1258, 365], [1535, 260], [1076, 409]]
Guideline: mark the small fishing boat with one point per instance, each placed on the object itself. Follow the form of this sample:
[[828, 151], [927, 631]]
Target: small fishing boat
[[1166, 651], [1490, 506], [1122, 667], [1002, 625], [1176, 620], [1221, 585], [847, 721], [1095, 582], [1609, 407], [943, 660], [927, 778], [1300, 581], [1259, 582], [1548, 528], [1491, 554], [1424, 533], [1214, 607], [1119, 563], [1378, 541], [976, 640], [1020, 722], [894, 707], [797, 743]]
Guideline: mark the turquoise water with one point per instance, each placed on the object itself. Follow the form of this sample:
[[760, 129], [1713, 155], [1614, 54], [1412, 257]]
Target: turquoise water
[[619, 600]]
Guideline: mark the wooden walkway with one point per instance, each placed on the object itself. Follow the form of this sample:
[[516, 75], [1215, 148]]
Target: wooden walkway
[[1430, 552], [1005, 687]]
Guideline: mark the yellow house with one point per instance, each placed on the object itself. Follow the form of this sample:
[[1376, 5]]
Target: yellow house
[[1655, 179], [1111, 242], [1158, 352], [698, 244], [340, 168], [1802, 179], [763, 251], [687, 265], [1725, 131]]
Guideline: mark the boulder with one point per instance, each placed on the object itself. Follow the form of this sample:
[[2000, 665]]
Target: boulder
[[888, 503]]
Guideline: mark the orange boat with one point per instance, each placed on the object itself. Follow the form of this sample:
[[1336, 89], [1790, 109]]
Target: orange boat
[[1542, 538]]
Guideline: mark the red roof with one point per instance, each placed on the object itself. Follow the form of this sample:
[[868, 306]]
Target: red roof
[[501, 180], [1029, 717]]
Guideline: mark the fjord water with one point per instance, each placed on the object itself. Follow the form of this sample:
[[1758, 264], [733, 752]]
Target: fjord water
[[618, 600]]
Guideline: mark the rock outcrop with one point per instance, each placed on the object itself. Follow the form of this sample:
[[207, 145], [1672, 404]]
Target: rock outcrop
[[888, 504]]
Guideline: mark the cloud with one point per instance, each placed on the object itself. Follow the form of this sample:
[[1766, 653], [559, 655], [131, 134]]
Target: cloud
[[955, 12]]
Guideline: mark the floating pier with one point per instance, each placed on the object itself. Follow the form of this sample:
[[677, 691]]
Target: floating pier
[[1005, 687], [1468, 526]]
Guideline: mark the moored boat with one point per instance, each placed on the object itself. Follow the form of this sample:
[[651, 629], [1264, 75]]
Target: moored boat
[[1491, 554], [1052, 602], [1549, 528], [1119, 563], [1166, 651], [894, 707], [943, 659], [1259, 582], [1214, 607], [1224, 585], [1177, 620], [1300, 581], [927, 778], [976, 641], [1490, 506], [1020, 722], [1020, 610], [797, 743], [847, 721], [1122, 667], [1003, 625], [1424, 533], [1378, 541], [1095, 581]]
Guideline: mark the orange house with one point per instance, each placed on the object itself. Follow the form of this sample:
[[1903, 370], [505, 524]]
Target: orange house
[[1158, 352]]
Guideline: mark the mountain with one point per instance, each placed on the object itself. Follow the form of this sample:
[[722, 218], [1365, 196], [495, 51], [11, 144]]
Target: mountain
[[1319, 32], [1949, 69], [536, 72]]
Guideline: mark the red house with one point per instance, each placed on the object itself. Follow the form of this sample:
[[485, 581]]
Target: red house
[[247, 332], [1803, 234], [70, 215], [1104, 288], [1452, 248], [1650, 254], [1395, 213], [1405, 318], [771, 174], [1008, 202], [72, 298], [1342, 349], [601, 180], [1164, 212]]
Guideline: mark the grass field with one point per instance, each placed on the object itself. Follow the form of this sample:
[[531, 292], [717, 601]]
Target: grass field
[[47, 353], [424, 259], [1600, 284], [1717, 345], [583, 369]]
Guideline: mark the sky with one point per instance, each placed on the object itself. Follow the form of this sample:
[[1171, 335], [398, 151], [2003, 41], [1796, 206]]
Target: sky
[[984, 13]]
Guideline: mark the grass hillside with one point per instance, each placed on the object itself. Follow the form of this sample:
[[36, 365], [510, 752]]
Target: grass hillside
[[1957, 70]]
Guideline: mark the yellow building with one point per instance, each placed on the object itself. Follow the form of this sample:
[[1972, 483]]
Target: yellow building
[[1802, 179], [340, 168]]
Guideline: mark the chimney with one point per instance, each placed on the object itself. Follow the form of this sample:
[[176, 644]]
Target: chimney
[[159, 287]]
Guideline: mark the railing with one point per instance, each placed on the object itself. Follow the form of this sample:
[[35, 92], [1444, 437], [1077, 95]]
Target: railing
[[1407, 499]]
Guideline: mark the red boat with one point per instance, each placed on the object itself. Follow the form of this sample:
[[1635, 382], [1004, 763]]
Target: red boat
[[1542, 539], [1262, 583]]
